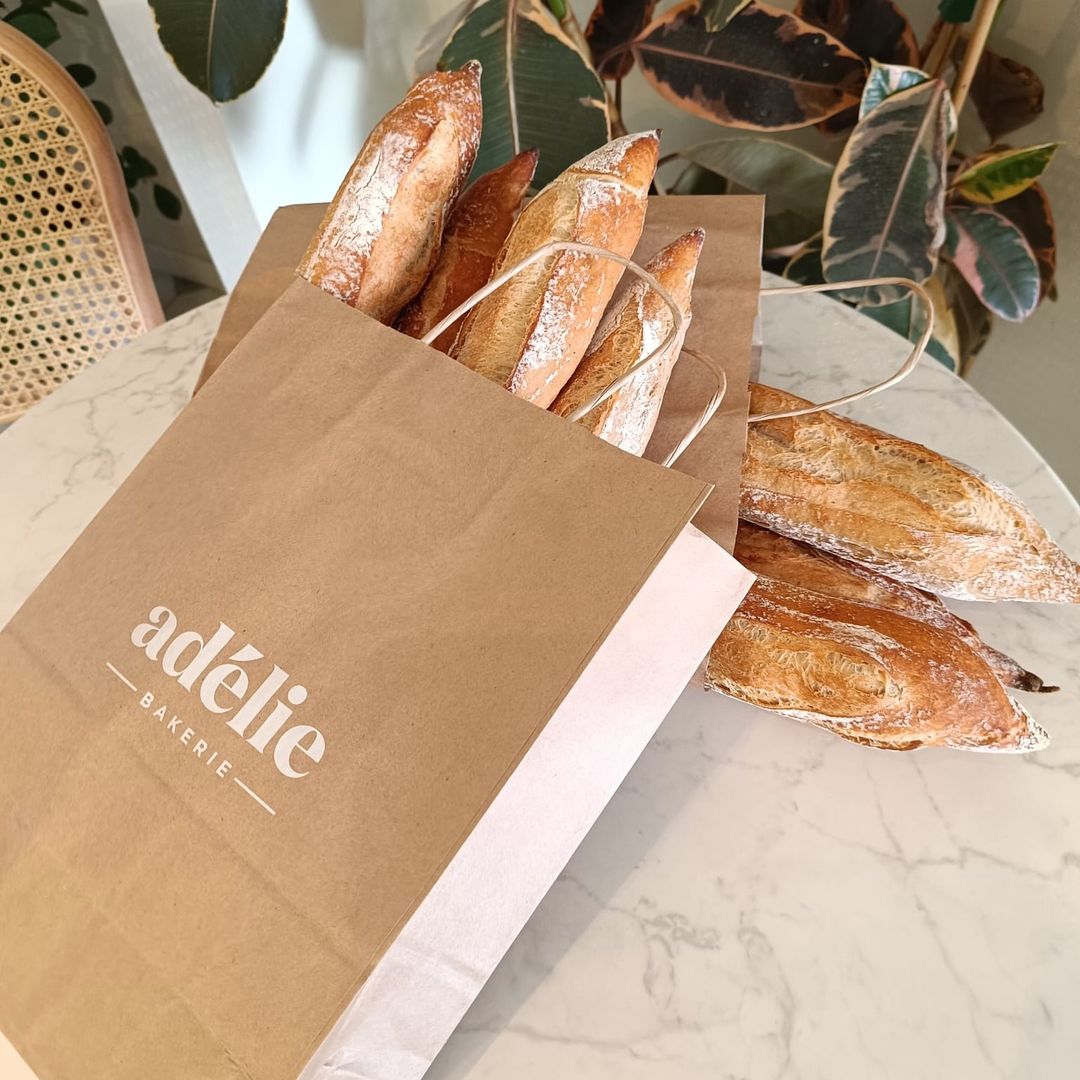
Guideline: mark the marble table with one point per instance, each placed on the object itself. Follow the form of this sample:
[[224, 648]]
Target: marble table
[[760, 901]]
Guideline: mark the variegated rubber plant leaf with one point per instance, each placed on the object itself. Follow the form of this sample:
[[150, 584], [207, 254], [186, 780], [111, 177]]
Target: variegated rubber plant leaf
[[765, 69], [907, 317], [995, 260], [885, 80], [538, 89], [1001, 174], [885, 215], [611, 27], [1030, 212], [718, 13], [876, 30], [805, 265]]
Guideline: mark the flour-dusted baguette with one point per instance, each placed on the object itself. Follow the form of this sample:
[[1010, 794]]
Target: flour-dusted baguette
[[795, 563], [530, 334], [473, 238], [636, 325], [896, 507], [380, 237], [867, 674]]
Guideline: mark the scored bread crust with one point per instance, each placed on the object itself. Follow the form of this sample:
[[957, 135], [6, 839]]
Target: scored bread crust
[[896, 507], [867, 674], [633, 328], [529, 335], [473, 237], [794, 563], [380, 236]]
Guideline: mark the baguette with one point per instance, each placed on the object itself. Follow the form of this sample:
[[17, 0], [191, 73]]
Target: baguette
[[866, 674], [795, 563], [530, 334], [897, 508], [380, 237], [474, 234], [636, 325]]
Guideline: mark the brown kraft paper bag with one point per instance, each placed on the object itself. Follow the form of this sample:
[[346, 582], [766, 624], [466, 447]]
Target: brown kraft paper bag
[[304, 725], [725, 306]]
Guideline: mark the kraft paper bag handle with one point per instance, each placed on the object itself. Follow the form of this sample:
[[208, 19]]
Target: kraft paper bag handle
[[677, 323], [902, 372]]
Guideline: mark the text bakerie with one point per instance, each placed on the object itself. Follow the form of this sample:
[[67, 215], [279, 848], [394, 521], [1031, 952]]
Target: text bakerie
[[223, 689]]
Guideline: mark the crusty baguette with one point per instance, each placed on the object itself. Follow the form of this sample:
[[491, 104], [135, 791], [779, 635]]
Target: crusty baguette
[[867, 674], [380, 236], [473, 237], [636, 325], [795, 563], [896, 507], [530, 334]]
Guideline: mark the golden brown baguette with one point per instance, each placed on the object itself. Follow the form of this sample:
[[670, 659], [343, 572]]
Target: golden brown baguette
[[869, 675], [474, 235], [380, 236], [795, 563], [636, 325], [896, 507], [530, 334]]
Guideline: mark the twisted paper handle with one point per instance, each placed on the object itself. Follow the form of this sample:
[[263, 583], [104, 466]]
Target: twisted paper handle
[[615, 385], [901, 372]]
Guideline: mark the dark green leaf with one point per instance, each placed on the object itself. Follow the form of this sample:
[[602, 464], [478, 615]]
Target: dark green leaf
[[885, 214], [134, 202], [791, 178], [885, 80], [612, 26], [973, 321], [135, 165], [83, 74], [956, 11], [873, 29], [538, 89], [766, 69], [785, 229], [805, 265], [103, 111], [1030, 212], [694, 180], [221, 47], [36, 25], [995, 260], [167, 202]]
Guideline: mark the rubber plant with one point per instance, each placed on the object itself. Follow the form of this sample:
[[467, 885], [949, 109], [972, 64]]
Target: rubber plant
[[900, 198]]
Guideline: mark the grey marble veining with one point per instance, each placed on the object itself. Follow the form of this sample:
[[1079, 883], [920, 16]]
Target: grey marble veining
[[760, 901]]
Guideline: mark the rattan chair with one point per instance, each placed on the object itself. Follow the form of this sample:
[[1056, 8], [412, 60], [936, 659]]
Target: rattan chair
[[74, 283]]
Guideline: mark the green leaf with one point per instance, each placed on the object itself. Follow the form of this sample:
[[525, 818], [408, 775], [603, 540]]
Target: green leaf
[[1001, 174], [973, 322], [611, 27], [221, 47], [956, 11], [785, 229], [876, 30], [38, 26], [1007, 94], [1030, 212], [903, 318], [83, 74], [718, 13], [995, 260], [167, 202], [103, 111], [791, 178], [885, 212], [765, 70], [805, 265], [538, 89]]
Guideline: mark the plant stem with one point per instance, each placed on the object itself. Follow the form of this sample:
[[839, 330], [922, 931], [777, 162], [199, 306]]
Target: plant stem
[[937, 59], [984, 19]]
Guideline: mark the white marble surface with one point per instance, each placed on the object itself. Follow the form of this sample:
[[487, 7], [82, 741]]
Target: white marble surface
[[761, 901]]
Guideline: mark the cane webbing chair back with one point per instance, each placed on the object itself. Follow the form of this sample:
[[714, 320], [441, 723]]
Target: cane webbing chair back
[[74, 283]]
